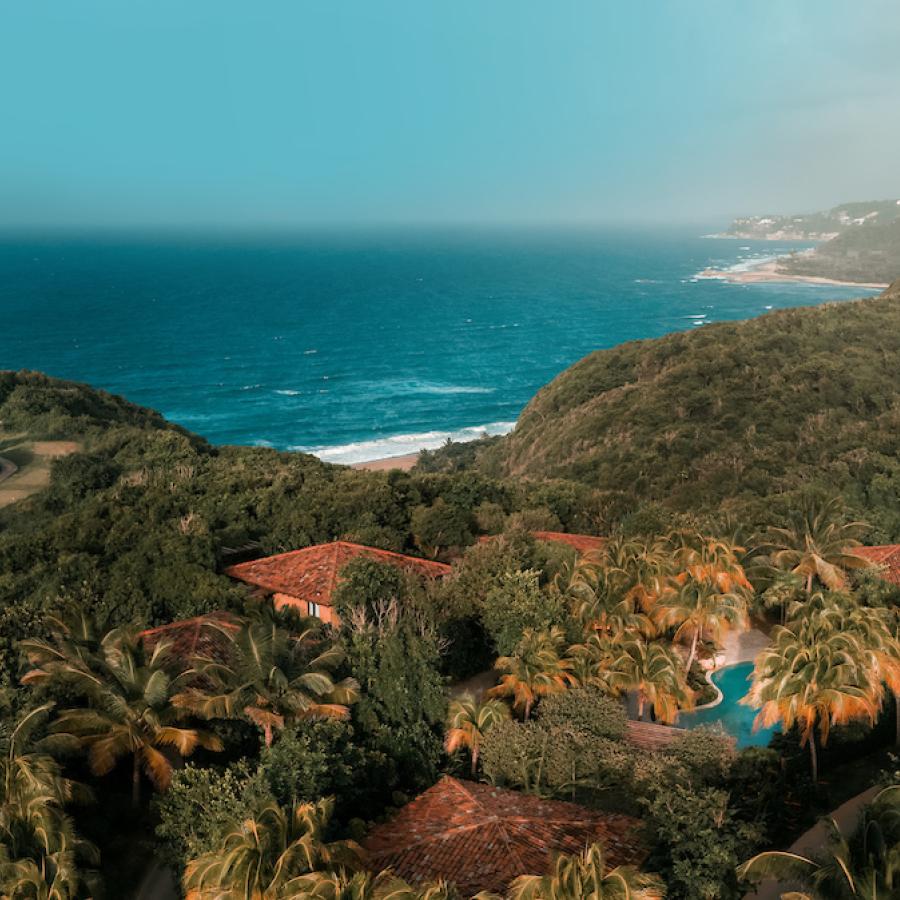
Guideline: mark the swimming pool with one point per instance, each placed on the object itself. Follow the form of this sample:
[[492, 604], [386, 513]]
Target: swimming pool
[[733, 682]]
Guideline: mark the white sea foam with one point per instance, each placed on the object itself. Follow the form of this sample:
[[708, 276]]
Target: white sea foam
[[286, 392], [413, 387], [402, 444]]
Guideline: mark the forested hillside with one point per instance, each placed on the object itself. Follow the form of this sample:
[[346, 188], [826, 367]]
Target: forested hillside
[[734, 417]]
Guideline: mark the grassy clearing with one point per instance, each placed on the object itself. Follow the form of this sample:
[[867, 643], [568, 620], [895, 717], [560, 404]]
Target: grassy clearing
[[32, 460]]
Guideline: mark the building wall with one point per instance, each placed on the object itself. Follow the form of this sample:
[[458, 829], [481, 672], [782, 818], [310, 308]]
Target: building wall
[[325, 613]]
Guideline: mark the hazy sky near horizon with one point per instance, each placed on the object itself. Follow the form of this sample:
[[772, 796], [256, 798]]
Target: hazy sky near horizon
[[283, 112]]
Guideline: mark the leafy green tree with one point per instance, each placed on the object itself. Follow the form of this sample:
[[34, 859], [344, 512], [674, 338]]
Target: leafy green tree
[[517, 604], [468, 721], [265, 854], [586, 710], [441, 526], [696, 839], [317, 758], [270, 676], [200, 806], [394, 654], [586, 875], [130, 707]]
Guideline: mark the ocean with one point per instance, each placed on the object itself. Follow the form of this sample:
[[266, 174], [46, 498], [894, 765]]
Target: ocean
[[364, 344]]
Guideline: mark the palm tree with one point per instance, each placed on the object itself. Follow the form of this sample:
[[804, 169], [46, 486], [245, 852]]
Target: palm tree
[[39, 849], [365, 886], [653, 669], [469, 720], [699, 606], [866, 865], [585, 875], [130, 696], [266, 855], [599, 596], [817, 546], [535, 670], [271, 677], [817, 672], [642, 566]]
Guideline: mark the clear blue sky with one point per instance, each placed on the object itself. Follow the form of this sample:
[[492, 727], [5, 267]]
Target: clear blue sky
[[281, 112]]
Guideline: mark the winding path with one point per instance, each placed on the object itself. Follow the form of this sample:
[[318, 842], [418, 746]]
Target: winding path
[[810, 842]]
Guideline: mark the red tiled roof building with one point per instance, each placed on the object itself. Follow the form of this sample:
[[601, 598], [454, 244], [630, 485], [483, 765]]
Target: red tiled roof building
[[481, 837], [580, 543], [306, 578], [887, 557], [205, 636]]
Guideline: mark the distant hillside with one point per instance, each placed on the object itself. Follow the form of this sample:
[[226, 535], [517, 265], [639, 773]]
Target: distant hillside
[[869, 254], [733, 416], [818, 226]]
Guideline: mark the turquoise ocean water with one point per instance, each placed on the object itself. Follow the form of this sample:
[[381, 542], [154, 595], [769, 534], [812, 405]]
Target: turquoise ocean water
[[357, 345]]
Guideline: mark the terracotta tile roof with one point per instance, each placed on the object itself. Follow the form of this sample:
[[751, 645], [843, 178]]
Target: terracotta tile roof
[[650, 735], [202, 635], [582, 543], [482, 837], [887, 555], [311, 574]]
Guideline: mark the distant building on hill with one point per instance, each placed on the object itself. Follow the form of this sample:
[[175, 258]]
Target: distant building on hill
[[306, 579], [481, 837], [886, 556]]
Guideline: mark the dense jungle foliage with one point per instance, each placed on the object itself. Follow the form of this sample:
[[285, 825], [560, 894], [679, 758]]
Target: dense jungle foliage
[[732, 420]]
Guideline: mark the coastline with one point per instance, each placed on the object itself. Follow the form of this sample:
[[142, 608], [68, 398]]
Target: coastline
[[386, 464], [768, 271]]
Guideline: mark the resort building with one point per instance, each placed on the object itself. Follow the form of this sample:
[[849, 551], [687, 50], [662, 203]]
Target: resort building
[[205, 636], [580, 543], [886, 556], [306, 579], [481, 837]]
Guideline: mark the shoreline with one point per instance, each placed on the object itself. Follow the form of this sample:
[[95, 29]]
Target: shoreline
[[768, 271], [388, 463]]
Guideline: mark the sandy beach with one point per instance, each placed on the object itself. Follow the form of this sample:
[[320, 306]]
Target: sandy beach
[[404, 463], [769, 271]]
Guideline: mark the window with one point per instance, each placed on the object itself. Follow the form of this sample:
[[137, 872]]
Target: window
[[314, 610]]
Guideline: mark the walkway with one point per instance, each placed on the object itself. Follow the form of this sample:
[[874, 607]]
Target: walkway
[[811, 842], [740, 646]]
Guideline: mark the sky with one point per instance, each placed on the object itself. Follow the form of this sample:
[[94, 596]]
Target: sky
[[281, 113]]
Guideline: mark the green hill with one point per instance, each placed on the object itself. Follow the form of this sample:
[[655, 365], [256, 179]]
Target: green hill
[[817, 226], [868, 254], [733, 417]]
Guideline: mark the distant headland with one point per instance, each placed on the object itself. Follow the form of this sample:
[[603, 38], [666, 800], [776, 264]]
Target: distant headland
[[858, 243]]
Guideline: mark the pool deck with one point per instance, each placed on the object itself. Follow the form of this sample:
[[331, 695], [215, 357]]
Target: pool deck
[[740, 646]]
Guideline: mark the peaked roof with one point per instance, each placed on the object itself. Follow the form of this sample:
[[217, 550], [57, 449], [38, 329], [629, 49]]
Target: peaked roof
[[201, 635], [582, 543], [650, 735], [886, 555], [311, 574], [481, 837]]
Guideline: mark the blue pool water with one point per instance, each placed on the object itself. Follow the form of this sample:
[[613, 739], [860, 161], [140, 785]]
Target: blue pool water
[[736, 719]]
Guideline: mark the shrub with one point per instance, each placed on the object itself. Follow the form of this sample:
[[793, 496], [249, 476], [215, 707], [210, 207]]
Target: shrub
[[706, 753], [586, 710]]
